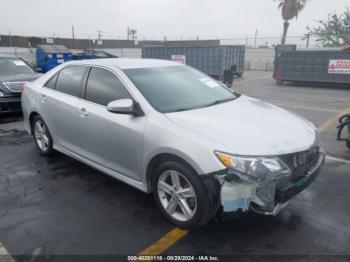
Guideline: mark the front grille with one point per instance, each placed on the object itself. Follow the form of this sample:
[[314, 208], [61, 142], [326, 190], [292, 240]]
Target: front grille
[[14, 87], [303, 166], [300, 163]]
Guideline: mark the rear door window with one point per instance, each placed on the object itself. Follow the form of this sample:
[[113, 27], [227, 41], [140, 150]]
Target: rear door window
[[52, 82], [103, 87], [69, 80]]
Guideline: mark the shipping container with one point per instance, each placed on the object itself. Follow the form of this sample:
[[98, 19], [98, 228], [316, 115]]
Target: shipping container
[[49, 56], [324, 66], [213, 60]]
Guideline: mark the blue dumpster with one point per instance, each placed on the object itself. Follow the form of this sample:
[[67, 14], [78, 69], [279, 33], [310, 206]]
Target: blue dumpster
[[49, 56]]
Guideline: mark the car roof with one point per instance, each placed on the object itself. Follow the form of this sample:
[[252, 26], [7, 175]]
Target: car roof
[[127, 63]]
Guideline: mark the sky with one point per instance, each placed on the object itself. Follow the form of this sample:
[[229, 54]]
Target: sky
[[155, 19]]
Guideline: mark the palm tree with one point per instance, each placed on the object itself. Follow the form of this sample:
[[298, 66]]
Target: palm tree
[[290, 9]]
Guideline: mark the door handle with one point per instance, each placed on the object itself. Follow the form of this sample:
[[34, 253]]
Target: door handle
[[43, 98], [83, 112]]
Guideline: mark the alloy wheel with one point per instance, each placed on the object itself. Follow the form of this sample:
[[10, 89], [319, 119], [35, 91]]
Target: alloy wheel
[[177, 195], [41, 135]]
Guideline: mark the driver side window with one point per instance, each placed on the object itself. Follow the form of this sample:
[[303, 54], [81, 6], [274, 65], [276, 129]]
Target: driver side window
[[103, 87]]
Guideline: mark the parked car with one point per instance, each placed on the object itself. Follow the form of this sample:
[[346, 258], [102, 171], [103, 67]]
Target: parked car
[[166, 128], [14, 72]]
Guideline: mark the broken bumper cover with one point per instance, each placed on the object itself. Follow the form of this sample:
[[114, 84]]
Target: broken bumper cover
[[267, 196], [288, 192]]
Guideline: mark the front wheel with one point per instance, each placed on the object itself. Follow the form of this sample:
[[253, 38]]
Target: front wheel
[[181, 195], [42, 136]]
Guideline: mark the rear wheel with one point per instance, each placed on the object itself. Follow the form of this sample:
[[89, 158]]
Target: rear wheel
[[42, 137], [279, 82], [181, 195]]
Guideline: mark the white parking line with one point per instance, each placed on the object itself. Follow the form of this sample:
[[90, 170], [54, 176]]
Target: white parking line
[[335, 159], [4, 255]]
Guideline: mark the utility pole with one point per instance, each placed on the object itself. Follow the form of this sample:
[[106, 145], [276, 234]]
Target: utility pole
[[99, 34], [10, 35], [73, 36], [256, 35], [127, 33], [307, 40], [132, 33]]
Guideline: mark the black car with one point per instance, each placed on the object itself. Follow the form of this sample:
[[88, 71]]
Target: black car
[[14, 72]]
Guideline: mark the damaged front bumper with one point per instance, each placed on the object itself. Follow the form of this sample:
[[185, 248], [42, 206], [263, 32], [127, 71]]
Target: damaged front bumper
[[265, 196]]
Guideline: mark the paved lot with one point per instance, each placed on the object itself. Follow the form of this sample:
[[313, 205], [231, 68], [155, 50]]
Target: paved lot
[[58, 206]]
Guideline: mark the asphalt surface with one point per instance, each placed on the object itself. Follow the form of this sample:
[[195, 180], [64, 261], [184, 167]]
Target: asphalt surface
[[58, 206]]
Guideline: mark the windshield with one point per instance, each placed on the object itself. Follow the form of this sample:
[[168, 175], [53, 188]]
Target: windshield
[[178, 88], [14, 66]]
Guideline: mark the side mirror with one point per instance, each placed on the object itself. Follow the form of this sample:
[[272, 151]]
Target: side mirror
[[125, 106]]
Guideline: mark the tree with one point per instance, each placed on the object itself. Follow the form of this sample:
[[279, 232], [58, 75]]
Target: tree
[[290, 9], [333, 32]]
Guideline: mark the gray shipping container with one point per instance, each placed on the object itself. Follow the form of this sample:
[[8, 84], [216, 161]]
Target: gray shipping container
[[308, 65], [212, 60]]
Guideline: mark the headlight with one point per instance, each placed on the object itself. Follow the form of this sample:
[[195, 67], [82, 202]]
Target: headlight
[[257, 167]]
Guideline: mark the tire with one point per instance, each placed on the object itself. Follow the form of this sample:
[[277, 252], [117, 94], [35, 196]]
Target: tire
[[279, 82], [240, 75], [348, 144], [172, 197], [42, 136]]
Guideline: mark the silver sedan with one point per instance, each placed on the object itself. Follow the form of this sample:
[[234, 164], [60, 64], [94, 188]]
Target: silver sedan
[[167, 128]]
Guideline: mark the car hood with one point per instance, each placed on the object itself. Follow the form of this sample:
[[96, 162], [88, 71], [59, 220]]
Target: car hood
[[19, 78], [248, 126]]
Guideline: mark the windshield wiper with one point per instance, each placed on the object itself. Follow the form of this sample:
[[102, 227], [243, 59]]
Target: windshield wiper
[[220, 101], [216, 102], [187, 108]]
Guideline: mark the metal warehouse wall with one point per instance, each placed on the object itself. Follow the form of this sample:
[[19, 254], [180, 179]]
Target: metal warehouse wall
[[22, 41], [28, 54], [259, 59]]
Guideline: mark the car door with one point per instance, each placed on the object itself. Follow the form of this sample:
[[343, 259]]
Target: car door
[[112, 140], [60, 101]]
